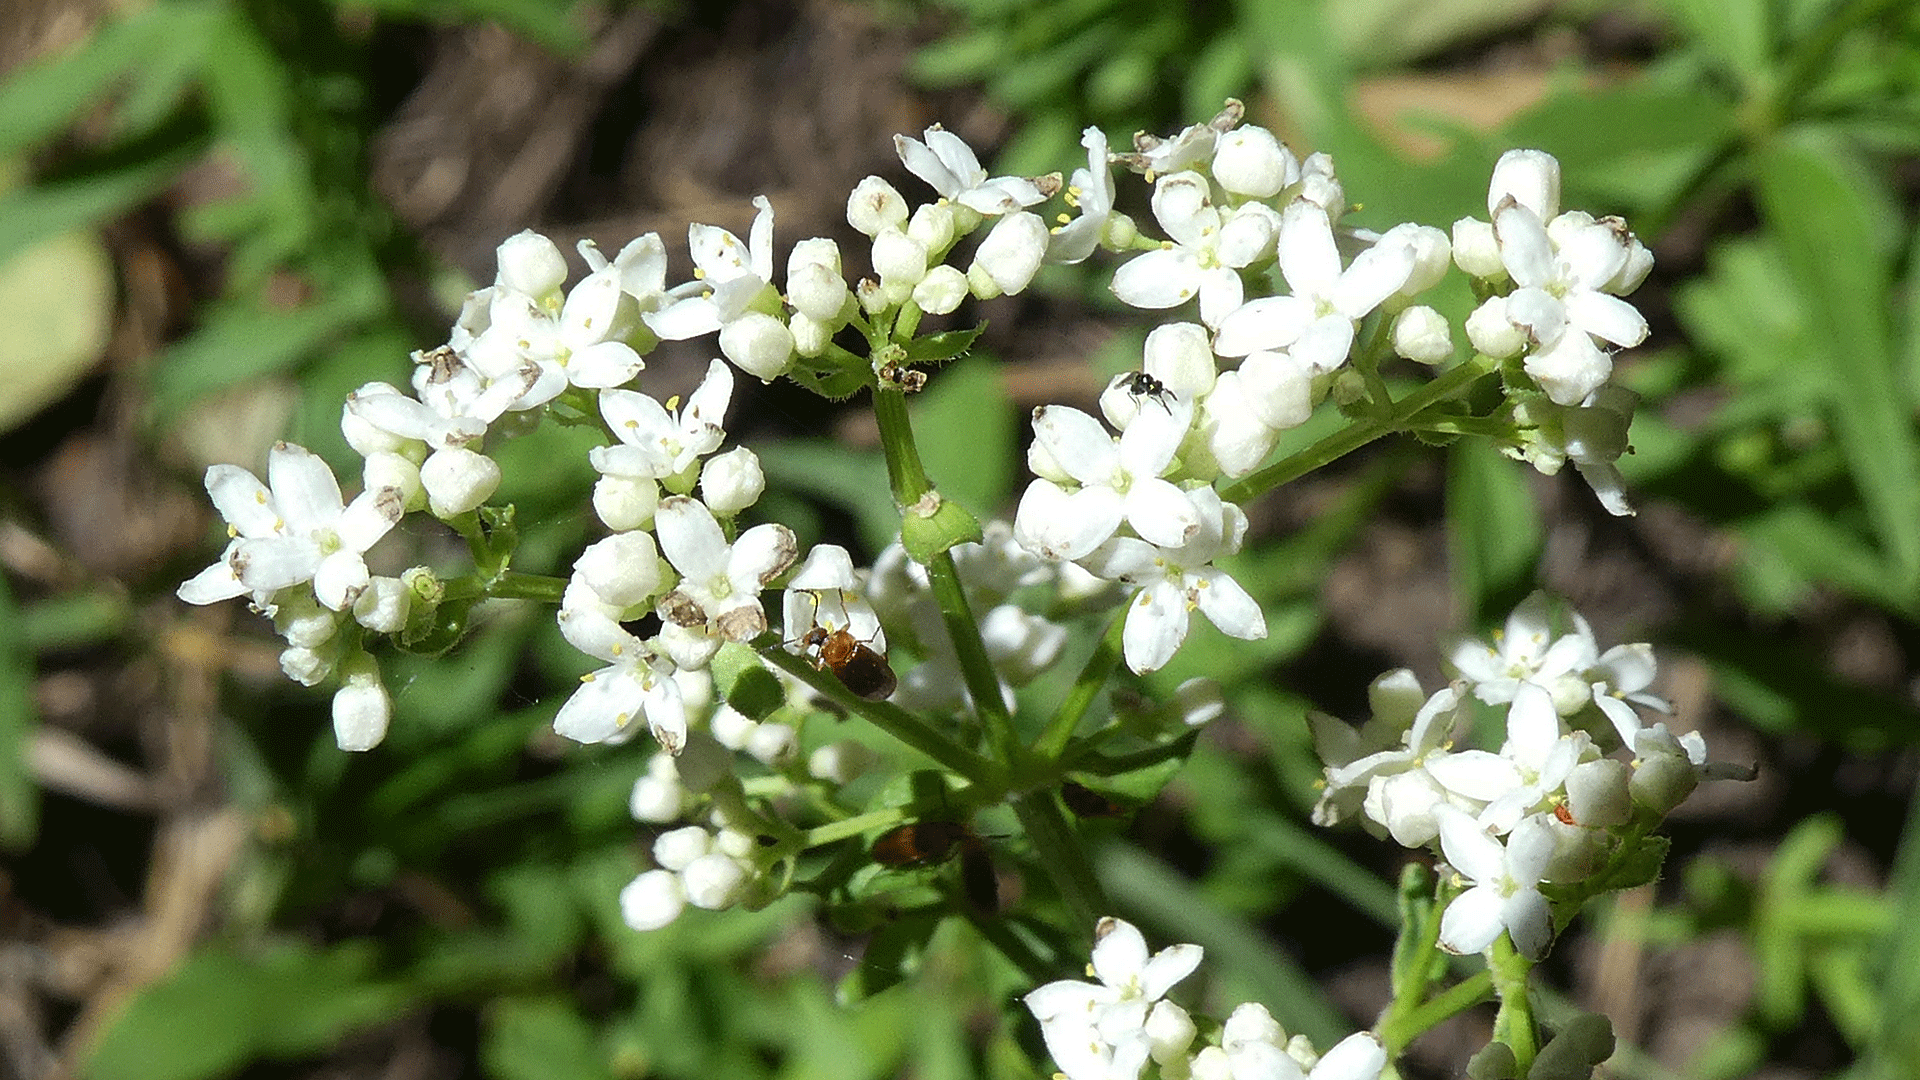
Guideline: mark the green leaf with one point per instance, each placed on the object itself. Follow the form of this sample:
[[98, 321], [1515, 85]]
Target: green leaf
[[45, 210], [1494, 532], [943, 346], [964, 427], [540, 1039], [1737, 33], [1897, 1045], [1829, 234], [219, 1011], [238, 341], [19, 799]]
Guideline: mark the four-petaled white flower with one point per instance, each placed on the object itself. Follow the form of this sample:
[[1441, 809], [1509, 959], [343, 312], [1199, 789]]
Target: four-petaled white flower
[[949, 166], [1505, 895], [1098, 1026], [635, 683], [720, 583], [657, 443], [1175, 580], [1119, 481], [1205, 254], [291, 530], [1563, 270], [1315, 324]]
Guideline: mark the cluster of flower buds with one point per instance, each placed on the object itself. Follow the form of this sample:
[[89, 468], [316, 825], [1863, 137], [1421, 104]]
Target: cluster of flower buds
[[1551, 805], [1116, 1026]]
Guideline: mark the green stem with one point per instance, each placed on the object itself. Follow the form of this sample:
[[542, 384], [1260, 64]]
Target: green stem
[[853, 826], [1060, 853], [975, 666], [1399, 1029], [891, 719], [514, 585], [905, 473], [1514, 1024], [1361, 432], [1093, 678]]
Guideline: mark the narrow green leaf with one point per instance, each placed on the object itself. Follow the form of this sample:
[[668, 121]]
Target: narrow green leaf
[[43, 98], [1737, 33], [1493, 529], [1826, 227], [35, 213], [19, 800]]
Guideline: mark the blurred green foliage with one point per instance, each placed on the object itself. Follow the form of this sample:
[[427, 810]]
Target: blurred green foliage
[[1786, 130]]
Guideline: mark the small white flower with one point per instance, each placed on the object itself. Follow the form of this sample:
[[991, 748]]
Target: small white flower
[[361, 707], [658, 795], [1175, 580], [291, 530], [656, 443], [652, 900], [733, 481], [1561, 270], [634, 683], [1012, 252], [1526, 650], [720, 583], [1205, 254], [1422, 335], [1119, 478], [1098, 1017], [1506, 885], [874, 205], [1251, 162], [1316, 322], [949, 166]]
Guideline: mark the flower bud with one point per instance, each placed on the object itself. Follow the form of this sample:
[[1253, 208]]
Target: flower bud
[[1236, 436], [773, 745], [1251, 1022], [1180, 355], [625, 502], [817, 290], [941, 291], [731, 482], [1663, 776], [458, 480], [530, 264], [1491, 332], [875, 205], [1422, 335], [1169, 1032], [384, 605], [713, 881], [1638, 265], [1250, 161], [980, 283], [873, 299], [652, 900], [1477, 251], [1597, 793], [396, 471], [1012, 252], [898, 258], [622, 570], [1279, 389], [1530, 178], [1432, 255], [933, 225], [810, 336], [677, 848], [1319, 186], [731, 727], [658, 797], [361, 707], [758, 344], [304, 623], [308, 667]]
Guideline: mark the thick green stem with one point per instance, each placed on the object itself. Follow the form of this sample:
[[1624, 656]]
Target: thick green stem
[[1093, 678], [1060, 853], [513, 585], [1360, 432], [1514, 1024], [891, 719], [975, 666], [905, 473]]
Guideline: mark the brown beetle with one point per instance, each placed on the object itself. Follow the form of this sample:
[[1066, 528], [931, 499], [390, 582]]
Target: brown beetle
[[858, 667]]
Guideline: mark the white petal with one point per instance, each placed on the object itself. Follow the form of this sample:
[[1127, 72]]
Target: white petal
[[1120, 953], [1123, 558], [274, 563], [1309, 259], [1161, 513], [1529, 849], [1527, 917], [1167, 967], [1270, 322], [1468, 847], [1228, 606], [1472, 921], [1476, 774], [1375, 274], [1570, 369], [243, 501], [606, 702], [690, 538], [1607, 317], [1183, 207], [686, 318], [340, 579], [304, 489], [1002, 195], [610, 363], [924, 162], [760, 555], [1156, 625], [1525, 250], [1533, 726], [212, 585], [1220, 294], [1157, 279], [1324, 344], [1077, 442]]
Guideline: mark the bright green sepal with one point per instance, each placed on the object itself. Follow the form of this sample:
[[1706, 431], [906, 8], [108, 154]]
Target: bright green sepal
[[934, 525]]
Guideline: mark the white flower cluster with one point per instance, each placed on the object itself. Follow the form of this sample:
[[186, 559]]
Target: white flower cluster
[[1235, 204], [1549, 805], [1113, 1029]]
